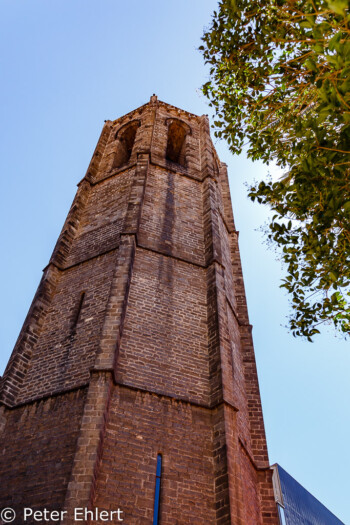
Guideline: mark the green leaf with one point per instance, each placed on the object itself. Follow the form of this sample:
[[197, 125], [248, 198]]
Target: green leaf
[[338, 6], [334, 41]]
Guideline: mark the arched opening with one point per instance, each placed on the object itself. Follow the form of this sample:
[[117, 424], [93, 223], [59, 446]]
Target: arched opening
[[176, 145], [125, 138]]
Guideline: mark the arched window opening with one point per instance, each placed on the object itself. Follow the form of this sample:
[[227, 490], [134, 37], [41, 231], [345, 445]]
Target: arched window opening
[[176, 146], [125, 143]]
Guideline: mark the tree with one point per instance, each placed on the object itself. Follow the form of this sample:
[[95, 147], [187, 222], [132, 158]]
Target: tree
[[280, 81]]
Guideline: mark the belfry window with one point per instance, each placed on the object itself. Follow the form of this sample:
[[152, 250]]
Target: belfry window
[[125, 139], [157, 490], [176, 145]]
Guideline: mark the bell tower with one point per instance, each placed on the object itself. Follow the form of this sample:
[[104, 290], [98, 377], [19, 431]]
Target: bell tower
[[133, 383]]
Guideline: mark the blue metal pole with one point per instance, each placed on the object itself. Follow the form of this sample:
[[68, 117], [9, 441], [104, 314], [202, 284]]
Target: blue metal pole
[[157, 491]]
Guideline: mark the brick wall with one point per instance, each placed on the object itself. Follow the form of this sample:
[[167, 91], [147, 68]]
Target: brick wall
[[176, 228], [64, 354], [101, 224], [140, 426], [37, 447], [164, 343]]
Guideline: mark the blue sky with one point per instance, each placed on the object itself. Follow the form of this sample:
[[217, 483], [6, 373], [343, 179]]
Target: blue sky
[[65, 67]]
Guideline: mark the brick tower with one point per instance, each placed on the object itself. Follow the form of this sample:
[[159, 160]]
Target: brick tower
[[133, 383]]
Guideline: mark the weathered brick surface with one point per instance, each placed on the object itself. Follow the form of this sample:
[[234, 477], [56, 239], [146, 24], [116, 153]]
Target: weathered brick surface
[[238, 379], [37, 447], [140, 426], [102, 221], [81, 487], [250, 491], [230, 287], [164, 342], [17, 367], [64, 354], [158, 349], [176, 228]]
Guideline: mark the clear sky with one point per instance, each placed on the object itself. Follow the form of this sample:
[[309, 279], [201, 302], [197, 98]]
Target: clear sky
[[65, 67]]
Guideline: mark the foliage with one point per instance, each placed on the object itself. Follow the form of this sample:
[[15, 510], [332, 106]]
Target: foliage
[[280, 80]]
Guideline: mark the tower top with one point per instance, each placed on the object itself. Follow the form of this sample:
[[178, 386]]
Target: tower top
[[155, 102]]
